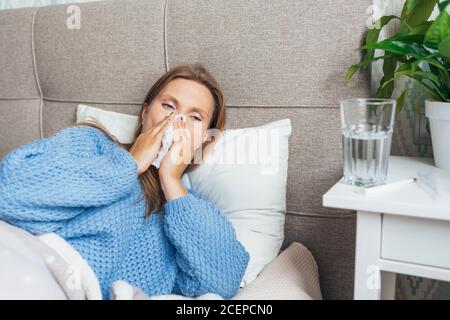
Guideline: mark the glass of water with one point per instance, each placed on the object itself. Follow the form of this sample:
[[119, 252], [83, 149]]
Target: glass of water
[[367, 126]]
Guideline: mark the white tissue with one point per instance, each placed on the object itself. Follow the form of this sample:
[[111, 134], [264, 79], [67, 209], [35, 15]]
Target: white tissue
[[167, 141]]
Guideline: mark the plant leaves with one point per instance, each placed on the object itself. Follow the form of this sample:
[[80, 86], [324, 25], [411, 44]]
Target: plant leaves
[[421, 28], [418, 42], [413, 71], [373, 34], [408, 6], [354, 68], [401, 101], [444, 47], [431, 61], [443, 5], [439, 30], [429, 91], [444, 77], [402, 48], [383, 86], [386, 87], [408, 37], [416, 12], [371, 37]]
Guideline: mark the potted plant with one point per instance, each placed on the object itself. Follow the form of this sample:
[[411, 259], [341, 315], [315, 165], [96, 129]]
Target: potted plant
[[420, 50]]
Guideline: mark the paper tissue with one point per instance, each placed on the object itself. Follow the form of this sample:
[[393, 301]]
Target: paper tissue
[[167, 140]]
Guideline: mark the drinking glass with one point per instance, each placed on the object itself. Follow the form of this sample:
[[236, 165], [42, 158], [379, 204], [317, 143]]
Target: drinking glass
[[367, 126]]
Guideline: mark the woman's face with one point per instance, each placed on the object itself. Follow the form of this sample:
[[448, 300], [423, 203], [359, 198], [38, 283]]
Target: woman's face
[[185, 97]]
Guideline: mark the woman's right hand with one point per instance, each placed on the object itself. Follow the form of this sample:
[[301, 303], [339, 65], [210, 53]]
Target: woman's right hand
[[147, 145]]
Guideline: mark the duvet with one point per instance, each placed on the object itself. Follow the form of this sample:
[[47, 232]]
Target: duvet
[[32, 269]]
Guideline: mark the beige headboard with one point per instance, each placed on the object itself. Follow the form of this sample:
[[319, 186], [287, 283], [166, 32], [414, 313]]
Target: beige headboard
[[275, 59]]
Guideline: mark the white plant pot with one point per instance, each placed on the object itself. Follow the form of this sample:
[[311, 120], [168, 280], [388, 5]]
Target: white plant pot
[[438, 113]]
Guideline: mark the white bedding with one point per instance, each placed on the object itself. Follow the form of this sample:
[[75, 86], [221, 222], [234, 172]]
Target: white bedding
[[31, 269]]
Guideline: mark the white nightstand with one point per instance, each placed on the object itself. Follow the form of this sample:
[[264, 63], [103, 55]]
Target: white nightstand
[[404, 230]]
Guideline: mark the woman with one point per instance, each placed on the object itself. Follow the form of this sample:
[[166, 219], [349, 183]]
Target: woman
[[127, 219]]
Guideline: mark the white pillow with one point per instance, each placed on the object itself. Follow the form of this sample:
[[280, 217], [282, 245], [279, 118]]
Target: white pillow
[[250, 192], [244, 173], [121, 125]]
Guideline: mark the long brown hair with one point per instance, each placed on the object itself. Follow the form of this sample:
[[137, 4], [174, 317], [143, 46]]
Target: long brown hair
[[151, 186]]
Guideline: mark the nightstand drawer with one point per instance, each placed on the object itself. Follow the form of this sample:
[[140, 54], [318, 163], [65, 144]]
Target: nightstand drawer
[[416, 240]]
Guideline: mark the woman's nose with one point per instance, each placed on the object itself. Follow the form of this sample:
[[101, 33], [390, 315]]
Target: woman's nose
[[179, 115]]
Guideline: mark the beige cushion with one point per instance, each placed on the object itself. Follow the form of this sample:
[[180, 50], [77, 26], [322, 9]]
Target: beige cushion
[[293, 275]]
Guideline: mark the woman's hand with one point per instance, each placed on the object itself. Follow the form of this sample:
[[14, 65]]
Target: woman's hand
[[175, 162], [147, 145]]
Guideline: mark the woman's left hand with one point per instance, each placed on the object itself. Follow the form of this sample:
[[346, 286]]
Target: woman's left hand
[[175, 162]]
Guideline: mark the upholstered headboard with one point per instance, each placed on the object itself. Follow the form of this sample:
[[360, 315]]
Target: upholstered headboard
[[274, 59]]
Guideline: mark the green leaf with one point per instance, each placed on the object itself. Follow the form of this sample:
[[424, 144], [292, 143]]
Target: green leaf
[[382, 87], [371, 37], [432, 93], [416, 12], [439, 30], [429, 91], [413, 71], [423, 59], [408, 37], [444, 47], [401, 48], [386, 87], [417, 103], [401, 101], [428, 75], [443, 5], [444, 77], [421, 28], [408, 6], [431, 61], [354, 68], [374, 33]]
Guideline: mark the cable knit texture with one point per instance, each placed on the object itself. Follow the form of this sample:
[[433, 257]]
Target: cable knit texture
[[81, 185]]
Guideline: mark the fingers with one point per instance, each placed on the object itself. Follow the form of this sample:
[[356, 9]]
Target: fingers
[[183, 136], [162, 124], [181, 150]]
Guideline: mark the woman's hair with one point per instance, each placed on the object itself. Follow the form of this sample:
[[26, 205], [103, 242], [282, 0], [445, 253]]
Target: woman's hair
[[152, 191]]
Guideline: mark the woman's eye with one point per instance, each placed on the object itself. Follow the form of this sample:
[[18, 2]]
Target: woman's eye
[[168, 105], [196, 118]]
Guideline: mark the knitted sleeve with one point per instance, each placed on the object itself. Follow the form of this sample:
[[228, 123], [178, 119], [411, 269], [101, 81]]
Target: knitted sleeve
[[76, 168], [209, 257]]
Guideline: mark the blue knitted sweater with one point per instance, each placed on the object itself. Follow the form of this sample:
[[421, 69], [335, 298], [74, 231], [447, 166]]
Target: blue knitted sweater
[[81, 185]]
